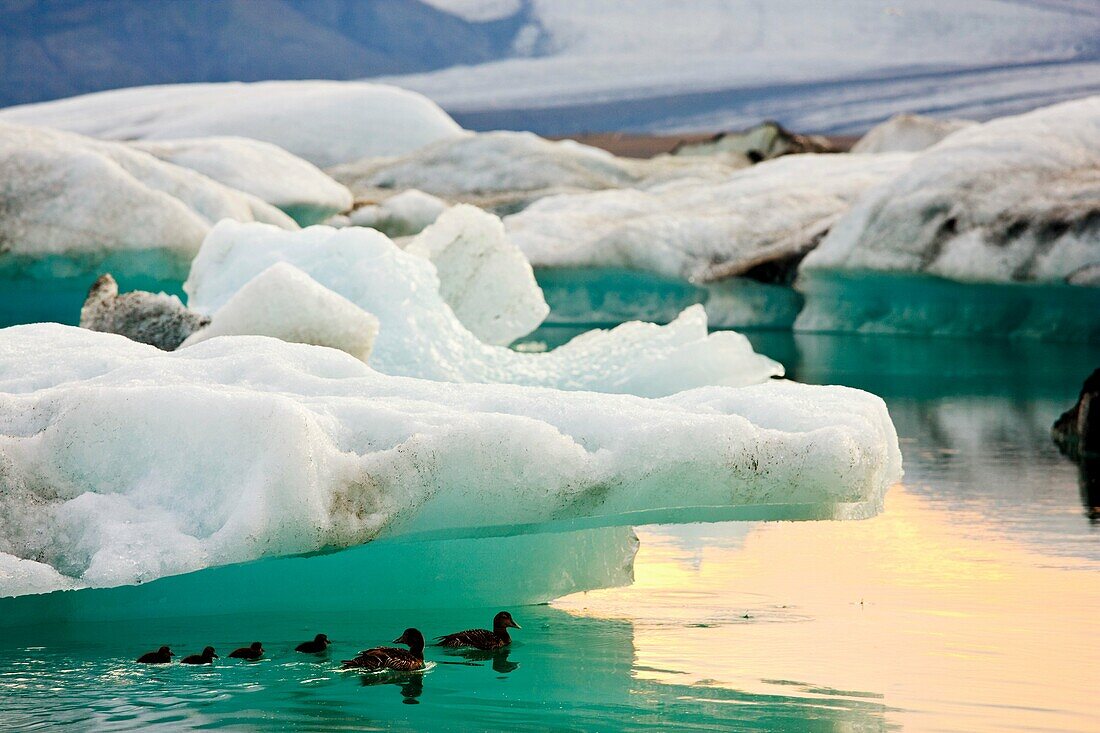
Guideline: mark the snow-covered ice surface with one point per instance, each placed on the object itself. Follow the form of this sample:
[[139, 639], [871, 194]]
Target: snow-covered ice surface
[[701, 230], [505, 171], [122, 463], [1012, 200], [907, 133], [420, 336], [264, 170], [594, 55], [483, 276], [79, 200], [285, 303], [324, 122]]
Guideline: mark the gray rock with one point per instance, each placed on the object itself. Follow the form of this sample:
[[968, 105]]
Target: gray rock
[[157, 319]]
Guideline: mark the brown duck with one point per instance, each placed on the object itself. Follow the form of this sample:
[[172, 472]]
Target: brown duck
[[207, 657], [160, 656], [251, 652], [483, 638], [319, 644], [390, 657]]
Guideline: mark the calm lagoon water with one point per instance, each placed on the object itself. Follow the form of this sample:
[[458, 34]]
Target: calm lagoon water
[[972, 603]]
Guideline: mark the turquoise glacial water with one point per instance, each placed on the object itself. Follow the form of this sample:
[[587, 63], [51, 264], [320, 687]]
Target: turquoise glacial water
[[971, 603]]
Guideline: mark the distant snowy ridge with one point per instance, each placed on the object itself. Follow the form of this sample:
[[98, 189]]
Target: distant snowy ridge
[[600, 53]]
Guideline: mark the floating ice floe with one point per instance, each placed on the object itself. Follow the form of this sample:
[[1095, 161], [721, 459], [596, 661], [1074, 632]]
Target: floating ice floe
[[1012, 200], [325, 122], [121, 463], [1015, 200], [421, 336], [264, 170], [70, 203], [907, 133], [761, 142], [505, 171], [702, 230], [400, 215]]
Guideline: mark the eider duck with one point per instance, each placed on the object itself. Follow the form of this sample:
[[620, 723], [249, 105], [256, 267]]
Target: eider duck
[[160, 656], [207, 657], [483, 638], [388, 657], [319, 644], [251, 652]]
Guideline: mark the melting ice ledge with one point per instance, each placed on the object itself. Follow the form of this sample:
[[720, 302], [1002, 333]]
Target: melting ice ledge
[[122, 464]]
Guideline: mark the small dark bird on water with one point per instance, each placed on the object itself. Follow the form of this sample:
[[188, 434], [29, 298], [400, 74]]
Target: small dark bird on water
[[251, 653], [483, 638], [389, 657], [207, 657], [319, 644], [160, 656]]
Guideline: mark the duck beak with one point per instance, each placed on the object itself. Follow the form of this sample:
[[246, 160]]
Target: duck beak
[[399, 640], [215, 656], [513, 624]]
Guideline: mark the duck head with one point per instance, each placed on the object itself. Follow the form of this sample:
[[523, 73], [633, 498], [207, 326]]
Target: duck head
[[209, 653], [321, 639], [166, 652], [504, 620], [257, 646], [414, 639]]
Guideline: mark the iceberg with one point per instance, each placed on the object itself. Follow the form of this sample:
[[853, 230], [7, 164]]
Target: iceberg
[[285, 303], [121, 463], [324, 122], [765, 141], [1012, 200], [420, 335], [505, 171], [74, 207], [1015, 201], [703, 231], [483, 276], [264, 170], [400, 215], [907, 133]]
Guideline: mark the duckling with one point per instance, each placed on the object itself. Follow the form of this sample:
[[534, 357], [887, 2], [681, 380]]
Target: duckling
[[483, 638], [319, 644], [207, 657], [160, 656], [388, 657], [251, 653]]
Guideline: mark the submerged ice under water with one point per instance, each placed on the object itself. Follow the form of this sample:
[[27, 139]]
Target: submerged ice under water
[[936, 614]]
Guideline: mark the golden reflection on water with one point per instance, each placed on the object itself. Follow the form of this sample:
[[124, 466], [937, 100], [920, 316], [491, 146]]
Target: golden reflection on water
[[955, 626]]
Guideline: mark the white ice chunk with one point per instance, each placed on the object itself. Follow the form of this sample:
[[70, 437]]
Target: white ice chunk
[[403, 214], [121, 463], [285, 303], [907, 133], [701, 230], [1012, 200], [264, 170], [325, 122], [65, 194], [421, 336], [483, 276], [504, 171]]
